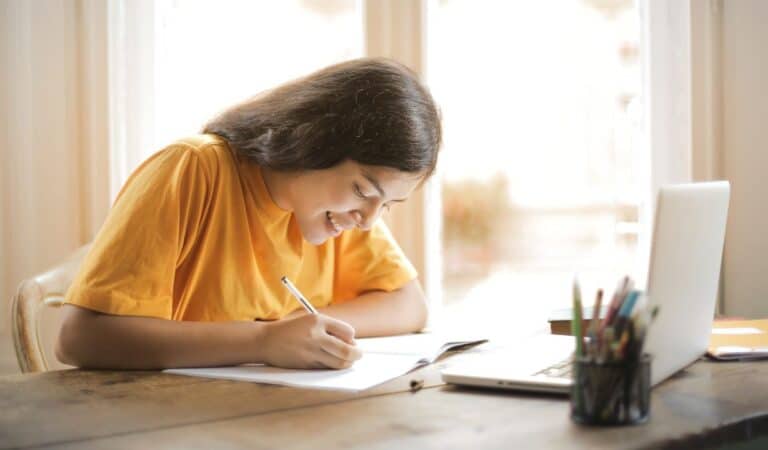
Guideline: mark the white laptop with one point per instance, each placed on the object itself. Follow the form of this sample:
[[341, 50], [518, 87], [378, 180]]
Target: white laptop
[[686, 251]]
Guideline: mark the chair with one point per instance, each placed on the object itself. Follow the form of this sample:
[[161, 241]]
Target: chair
[[46, 289]]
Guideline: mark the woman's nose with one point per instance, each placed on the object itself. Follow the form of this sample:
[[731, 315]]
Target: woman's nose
[[365, 219]]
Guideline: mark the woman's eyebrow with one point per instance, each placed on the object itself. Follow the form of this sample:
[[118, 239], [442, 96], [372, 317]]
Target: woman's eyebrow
[[376, 185]]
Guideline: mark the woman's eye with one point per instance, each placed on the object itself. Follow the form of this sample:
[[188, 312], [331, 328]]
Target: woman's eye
[[359, 193]]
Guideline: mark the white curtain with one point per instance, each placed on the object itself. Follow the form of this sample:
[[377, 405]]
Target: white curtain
[[54, 189]]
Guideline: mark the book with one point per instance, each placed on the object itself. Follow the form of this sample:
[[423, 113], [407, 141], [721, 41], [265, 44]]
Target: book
[[741, 340], [732, 339], [560, 319], [384, 359]]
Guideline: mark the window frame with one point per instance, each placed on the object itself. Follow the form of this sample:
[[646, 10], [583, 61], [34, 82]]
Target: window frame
[[682, 89]]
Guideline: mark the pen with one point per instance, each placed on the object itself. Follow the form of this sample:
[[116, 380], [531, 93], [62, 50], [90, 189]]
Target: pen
[[622, 344], [576, 324], [594, 337], [644, 323], [304, 302], [576, 329], [606, 344], [618, 296], [625, 311], [629, 303]]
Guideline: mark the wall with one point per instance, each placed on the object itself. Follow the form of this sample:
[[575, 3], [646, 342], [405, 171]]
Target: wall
[[745, 154]]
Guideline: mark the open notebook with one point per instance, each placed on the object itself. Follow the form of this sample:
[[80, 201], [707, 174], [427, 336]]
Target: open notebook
[[383, 359]]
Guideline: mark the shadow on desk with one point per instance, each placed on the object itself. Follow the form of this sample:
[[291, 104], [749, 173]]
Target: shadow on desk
[[512, 393]]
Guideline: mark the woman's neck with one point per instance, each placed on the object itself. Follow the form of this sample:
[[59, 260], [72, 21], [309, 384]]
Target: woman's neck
[[278, 186]]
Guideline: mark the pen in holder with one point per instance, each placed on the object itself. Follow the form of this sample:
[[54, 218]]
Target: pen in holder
[[611, 392], [611, 374]]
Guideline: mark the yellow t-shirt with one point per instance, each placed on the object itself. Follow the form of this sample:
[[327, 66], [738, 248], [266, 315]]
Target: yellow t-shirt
[[195, 235]]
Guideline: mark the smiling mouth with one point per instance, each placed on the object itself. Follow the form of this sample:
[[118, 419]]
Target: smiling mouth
[[334, 226]]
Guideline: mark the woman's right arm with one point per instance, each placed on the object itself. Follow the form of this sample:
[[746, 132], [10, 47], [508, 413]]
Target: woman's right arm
[[91, 339]]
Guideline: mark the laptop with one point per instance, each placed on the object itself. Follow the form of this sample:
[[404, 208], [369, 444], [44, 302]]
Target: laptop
[[686, 251]]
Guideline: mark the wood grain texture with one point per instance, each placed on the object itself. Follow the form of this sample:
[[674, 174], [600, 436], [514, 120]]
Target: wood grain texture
[[73, 405], [705, 405]]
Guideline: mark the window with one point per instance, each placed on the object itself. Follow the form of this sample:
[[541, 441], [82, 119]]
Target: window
[[211, 55], [539, 171], [546, 169]]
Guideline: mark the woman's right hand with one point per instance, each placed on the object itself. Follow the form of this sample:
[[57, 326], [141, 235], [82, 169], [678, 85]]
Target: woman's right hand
[[311, 341]]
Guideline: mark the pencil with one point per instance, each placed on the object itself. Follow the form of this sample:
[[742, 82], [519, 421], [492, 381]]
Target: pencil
[[625, 311], [576, 325], [618, 297], [594, 337]]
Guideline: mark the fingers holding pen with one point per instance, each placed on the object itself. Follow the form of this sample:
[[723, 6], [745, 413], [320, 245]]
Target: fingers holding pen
[[339, 329], [309, 341], [340, 350], [335, 340]]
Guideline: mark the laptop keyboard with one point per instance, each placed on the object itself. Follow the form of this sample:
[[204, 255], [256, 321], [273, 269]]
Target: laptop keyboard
[[561, 369]]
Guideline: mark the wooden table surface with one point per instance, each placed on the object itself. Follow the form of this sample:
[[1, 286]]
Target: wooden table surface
[[703, 406]]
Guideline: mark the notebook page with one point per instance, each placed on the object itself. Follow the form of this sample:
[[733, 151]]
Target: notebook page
[[425, 345], [370, 370], [384, 358]]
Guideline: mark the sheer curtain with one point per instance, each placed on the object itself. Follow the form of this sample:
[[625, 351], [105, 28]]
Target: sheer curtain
[[53, 166]]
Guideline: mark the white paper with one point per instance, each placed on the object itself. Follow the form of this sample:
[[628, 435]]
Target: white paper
[[428, 346], [732, 331], [735, 349], [733, 353], [383, 359], [370, 370], [408, 344]]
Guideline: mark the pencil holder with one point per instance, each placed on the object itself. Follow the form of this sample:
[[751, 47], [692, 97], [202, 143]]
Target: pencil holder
[[611, 393]]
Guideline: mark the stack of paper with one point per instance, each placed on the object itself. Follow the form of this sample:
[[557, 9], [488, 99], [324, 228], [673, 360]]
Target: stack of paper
[[739, 340], [383, 359]]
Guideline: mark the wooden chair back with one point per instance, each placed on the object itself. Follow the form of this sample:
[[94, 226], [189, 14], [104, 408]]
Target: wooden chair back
[[44, 290]]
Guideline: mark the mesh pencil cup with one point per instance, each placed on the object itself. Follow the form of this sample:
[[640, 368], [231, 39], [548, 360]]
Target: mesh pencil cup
[[611, 392]]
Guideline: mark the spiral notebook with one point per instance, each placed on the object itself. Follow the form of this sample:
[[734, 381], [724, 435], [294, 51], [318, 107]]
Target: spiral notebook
[[384, 359]]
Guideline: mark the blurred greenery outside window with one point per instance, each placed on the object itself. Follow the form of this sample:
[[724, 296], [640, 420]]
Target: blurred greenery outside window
[[540, 169]]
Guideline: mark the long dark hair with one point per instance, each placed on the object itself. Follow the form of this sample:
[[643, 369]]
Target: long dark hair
[[373, 111]]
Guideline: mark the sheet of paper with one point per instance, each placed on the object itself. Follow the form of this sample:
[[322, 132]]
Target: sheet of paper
[[407, 344], [370, 370], [426, 345], [747, 330], [383, 359]]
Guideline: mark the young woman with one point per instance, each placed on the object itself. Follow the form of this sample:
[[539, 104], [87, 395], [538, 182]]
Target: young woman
[[186, 269]]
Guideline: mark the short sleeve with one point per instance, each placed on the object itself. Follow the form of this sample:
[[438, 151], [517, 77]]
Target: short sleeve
[[153, 223], [368, 261]]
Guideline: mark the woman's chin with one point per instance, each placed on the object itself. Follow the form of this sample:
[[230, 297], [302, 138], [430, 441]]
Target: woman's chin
[[318, 235], [316, 238]]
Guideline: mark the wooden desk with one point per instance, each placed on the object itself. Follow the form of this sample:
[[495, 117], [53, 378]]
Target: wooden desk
[[704, 406]]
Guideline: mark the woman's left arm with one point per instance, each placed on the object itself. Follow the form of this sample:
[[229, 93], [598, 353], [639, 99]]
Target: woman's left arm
[[381, 313]]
